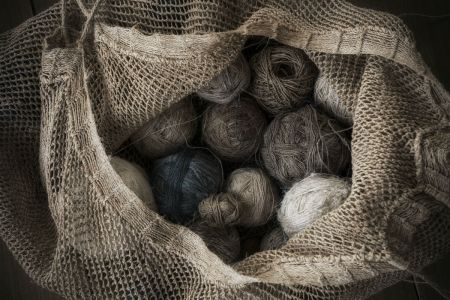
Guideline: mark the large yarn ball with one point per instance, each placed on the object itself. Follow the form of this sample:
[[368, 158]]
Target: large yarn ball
[[302, 142], [135, 178], [328, 100], [250, 200], [180, 181], [227, 86], [283, 78], [273, 240], [309, 199], [234, 131], [168, 132], [223, 241]]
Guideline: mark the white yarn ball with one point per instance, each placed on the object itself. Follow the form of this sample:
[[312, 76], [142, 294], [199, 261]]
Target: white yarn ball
[[310, 199], [328, 100], [135, 178]]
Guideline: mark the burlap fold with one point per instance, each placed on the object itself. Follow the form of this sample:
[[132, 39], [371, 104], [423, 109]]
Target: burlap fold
[[66, 106]]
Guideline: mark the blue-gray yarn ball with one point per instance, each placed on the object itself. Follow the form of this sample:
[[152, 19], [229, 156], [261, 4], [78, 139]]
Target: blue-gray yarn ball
[[182, 180]]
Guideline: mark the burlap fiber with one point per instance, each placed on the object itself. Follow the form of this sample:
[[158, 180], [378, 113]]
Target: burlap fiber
[[68, 102]]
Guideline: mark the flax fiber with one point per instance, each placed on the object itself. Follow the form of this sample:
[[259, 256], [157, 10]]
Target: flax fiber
[[66, 105]]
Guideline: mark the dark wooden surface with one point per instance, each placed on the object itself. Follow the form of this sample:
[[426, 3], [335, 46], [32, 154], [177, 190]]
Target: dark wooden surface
[[430, 22]]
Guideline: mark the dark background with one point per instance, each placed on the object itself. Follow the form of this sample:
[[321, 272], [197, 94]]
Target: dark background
[[430, 22]]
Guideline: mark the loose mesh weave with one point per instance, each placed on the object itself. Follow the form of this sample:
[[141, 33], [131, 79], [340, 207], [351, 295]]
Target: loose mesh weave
[[65, 107]]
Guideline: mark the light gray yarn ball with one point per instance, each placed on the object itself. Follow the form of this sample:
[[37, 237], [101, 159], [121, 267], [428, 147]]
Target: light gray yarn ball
[[309, 199]]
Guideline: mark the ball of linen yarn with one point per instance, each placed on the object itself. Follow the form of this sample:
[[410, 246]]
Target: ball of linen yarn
[[234, 131], [302, 142], [168, 132], [180, 181], [227, 86], [273, 240], [223, 241], [328, 100], [283, 78], [309, 199], [135, 178], [250, 200]]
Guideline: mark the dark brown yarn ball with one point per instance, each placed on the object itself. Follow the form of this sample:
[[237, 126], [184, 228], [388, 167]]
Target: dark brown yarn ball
[[234, 131], [168, 132], [223, 241], [283, 78], [227, 86], [303, 142], [275, 239]]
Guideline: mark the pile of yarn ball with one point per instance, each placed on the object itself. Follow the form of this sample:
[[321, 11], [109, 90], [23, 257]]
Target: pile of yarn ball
[[227, 86], [168, 132], [302, 142], [283, 78], [234, 131], [181, 180], [135, 178], [250, 200], [223, 241], [310, 199], [188, 164]]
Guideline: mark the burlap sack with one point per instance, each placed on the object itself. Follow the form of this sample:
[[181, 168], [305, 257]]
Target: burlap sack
[[68, 103]]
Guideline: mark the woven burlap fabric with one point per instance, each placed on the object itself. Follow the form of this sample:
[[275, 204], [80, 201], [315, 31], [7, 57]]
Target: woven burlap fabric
[[65, 107]]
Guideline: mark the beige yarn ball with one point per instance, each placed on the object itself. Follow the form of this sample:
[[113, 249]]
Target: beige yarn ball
[[273, 240], [310, 199], [135, 178], [283, 78], [227, 86], [223, 241], [302, 142], [328, 100], [234, 131], [168, 132], [250, 200]]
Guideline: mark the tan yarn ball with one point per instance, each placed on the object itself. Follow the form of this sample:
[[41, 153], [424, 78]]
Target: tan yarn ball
[[135, 178], [168, 132], [227, 86], [328, 100], [234, 131], [273, 240], [283, 78], [301, 142], [223, 241], [310, 199], [250, 200]]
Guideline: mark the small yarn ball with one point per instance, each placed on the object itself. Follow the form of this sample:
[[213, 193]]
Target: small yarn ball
[[168, 132], [273, 240], [227, 86], [250, 200], [302, 142], [310, 199], [327, 99], [180, 181], [223, 241], [283, 78], [135, 178], [234, 131]]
